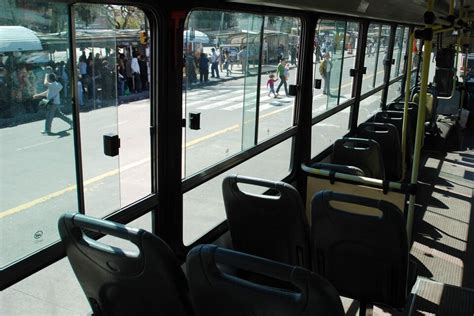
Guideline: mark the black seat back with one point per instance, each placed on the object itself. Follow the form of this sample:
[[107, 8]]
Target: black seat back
[[339, 168], [412, 113], [217, 291], [119, 282], [364, 257], [396, 118], [386, 135], [362, 153], [270, 226]]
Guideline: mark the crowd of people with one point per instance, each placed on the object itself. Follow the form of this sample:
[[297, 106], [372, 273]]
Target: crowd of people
[[98, 78], [20, 81], [26, 88]]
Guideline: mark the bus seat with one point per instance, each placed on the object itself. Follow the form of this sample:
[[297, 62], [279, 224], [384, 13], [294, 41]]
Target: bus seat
[[352, 170], [386, 135], [121, 282], [215, 290], [362, 153], [430, 105], [412, 113], [270, 226], [396, 118], [364, 256]]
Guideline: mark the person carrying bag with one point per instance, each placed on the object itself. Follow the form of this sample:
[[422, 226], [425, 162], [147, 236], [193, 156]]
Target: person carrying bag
[[52, 103]]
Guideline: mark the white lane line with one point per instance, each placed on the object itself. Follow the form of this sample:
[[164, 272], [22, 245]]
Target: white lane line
[[36, 145]]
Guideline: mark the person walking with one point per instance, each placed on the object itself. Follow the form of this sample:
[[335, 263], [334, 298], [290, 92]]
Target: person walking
[[52, 101], [325, 72], [271, 85], [281, 74]]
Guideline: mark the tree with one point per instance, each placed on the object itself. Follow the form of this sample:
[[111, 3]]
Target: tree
[[123, 16], [211, 20], [86, 13]]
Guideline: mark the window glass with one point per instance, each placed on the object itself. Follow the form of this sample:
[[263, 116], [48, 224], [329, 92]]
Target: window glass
[[37, 167], [113, 63], [382, 54], [281, 39], [237, 75], [326, 132], [404, 55], [368, 107], [371, 55], [398, 52], [203, 207], [394, 91], [334, 49]]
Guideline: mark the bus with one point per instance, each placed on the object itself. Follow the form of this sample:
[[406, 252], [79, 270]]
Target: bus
[[358, 110]]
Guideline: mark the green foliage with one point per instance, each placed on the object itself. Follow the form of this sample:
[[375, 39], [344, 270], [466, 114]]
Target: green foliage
[[86, 13], [211, 20], [126, 17]]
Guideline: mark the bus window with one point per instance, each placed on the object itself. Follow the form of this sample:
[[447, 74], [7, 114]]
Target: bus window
[[394, 91], [382, 54], [37, 163], [236, 78], [327, 131], [113, 64], [399, 49], [281, 39], [368, 107], [334, 57]]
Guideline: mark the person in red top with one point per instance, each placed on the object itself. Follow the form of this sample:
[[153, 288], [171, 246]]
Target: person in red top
[[271, 85]]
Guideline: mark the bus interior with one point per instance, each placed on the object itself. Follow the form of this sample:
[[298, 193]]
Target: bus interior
[[236, 157]]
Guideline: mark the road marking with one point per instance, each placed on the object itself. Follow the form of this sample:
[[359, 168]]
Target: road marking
[[35, 145], [112, 125], [217, 133], [70, 188]]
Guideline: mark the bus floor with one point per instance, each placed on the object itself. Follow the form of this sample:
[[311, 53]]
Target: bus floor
[[443, 242]]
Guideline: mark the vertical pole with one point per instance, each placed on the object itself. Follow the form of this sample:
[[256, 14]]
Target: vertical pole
[[420, 124], [407, 97]]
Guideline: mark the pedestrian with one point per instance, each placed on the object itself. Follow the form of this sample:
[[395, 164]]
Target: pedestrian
[[281, 74], [203, 67], [23, 88], [280, 52], [293, 54], [227, 63], [137, 83], [271, 85], [325, 72], [214, 64], [143, 71], [242, 56], [52, 102]]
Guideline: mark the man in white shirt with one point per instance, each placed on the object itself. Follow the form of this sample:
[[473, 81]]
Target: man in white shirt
[[137, 83], [52, 102], [214, 63]]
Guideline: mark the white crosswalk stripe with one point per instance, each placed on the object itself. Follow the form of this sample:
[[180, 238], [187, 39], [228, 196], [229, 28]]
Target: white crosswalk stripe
[[231, 100]]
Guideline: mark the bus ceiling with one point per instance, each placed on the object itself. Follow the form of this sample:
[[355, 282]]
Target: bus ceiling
[[408, 11]]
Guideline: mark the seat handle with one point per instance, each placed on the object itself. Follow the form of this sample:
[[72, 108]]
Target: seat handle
[[105, 227], [247, 262]]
